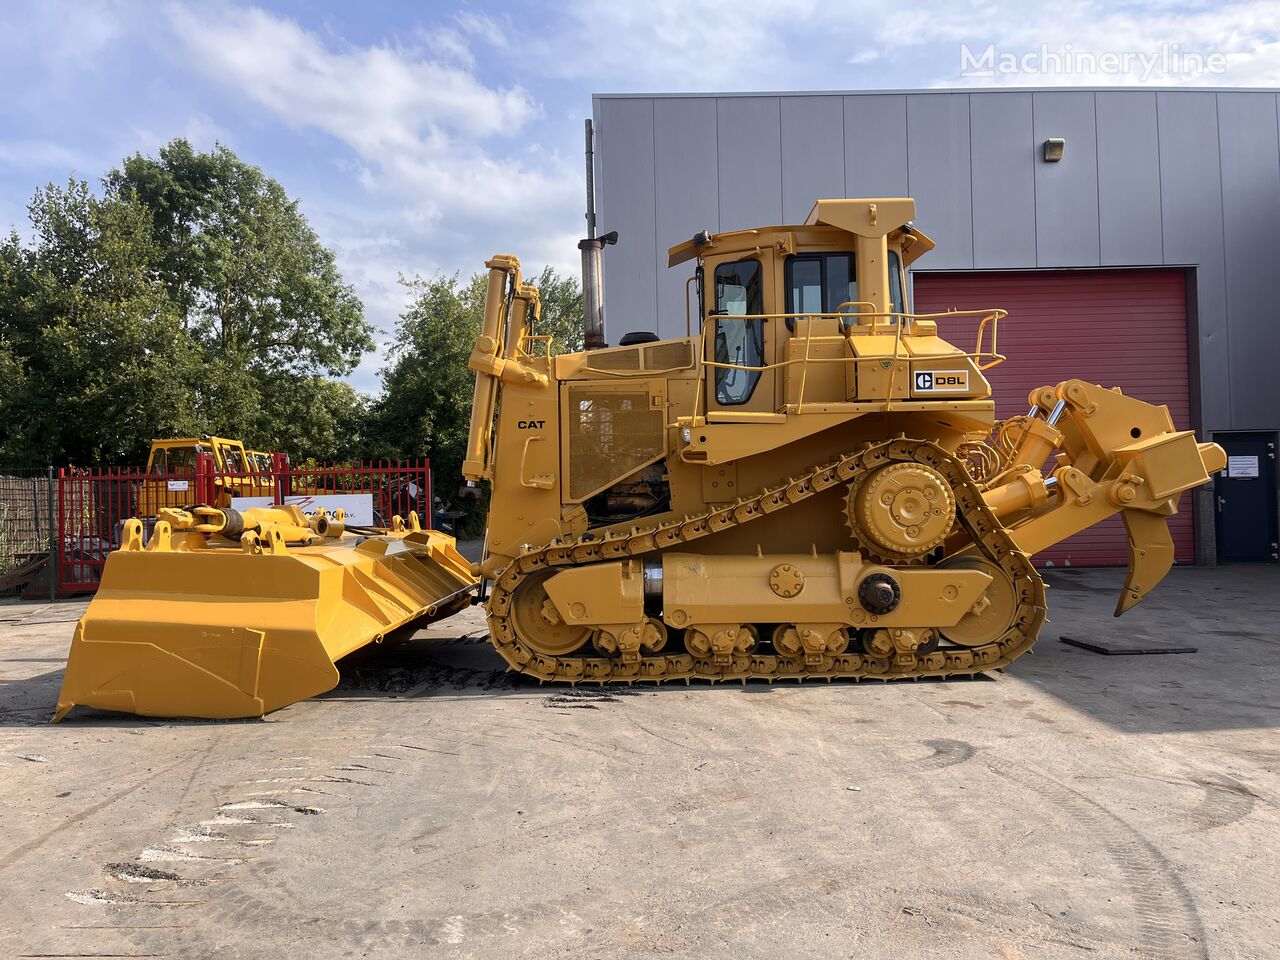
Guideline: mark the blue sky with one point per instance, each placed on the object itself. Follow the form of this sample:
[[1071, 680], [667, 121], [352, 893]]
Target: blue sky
[[423, 137]]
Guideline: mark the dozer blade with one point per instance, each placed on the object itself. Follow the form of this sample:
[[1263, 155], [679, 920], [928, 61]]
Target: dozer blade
[[1150, 556], [222, 633]]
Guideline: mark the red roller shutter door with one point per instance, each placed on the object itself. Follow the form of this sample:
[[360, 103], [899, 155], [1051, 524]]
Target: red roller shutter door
[[1119, 328]]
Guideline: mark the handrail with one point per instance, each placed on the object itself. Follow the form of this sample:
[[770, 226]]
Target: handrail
[[531, 338], [643, 372], [688, 319], [983, 359], [839, 311]]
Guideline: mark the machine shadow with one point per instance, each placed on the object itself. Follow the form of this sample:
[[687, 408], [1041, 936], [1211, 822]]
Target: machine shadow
[[30, 701], [1229, 614], [433, 666]]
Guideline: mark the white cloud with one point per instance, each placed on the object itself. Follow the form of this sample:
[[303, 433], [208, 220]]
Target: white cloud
[[668, 45], [371, 96], [496, 33], [43, 154], [441, 156], [62, 33], [448, 44], [718, 45], [421, 128]]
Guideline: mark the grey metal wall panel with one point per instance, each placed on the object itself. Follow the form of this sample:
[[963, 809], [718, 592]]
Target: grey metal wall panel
[[1251, 210], [1003, 176], [1150, 177], [687, 191], [1067, 191], [875, 146], [1191, 213], [625, 202], [938, 175], [749, 150], [812, 153], [1128, 179]]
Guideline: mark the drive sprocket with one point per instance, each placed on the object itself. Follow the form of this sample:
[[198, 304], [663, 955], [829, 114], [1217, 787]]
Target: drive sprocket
[[899, 512]]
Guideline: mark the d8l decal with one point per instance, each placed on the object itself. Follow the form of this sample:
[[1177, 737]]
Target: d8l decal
[[942, 381]]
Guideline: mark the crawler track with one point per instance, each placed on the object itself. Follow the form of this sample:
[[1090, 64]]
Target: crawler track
[[972, 514]]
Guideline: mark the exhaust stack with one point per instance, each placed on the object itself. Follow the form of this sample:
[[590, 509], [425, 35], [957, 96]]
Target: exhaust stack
[[592, 289]]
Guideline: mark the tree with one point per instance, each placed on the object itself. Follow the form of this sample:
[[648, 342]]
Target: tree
[[244, 267], [311, 417], [190, 297], [99, 346], [425, 406], [561, 298]]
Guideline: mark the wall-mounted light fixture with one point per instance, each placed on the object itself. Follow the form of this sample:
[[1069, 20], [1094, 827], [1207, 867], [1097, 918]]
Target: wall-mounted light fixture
[[1053, 149]]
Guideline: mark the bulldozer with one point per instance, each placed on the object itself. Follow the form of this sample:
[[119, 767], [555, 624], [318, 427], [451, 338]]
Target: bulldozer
[[172, 468], [811, 484]]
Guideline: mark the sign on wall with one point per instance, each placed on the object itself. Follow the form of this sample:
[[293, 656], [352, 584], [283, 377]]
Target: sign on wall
[[1242, 468]]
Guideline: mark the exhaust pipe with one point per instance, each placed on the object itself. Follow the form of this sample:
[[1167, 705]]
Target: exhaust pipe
[[592, 288], [592, 300]]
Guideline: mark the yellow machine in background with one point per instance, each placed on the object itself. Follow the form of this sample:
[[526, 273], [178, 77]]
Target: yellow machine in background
[[260, 461], [811, 485], [173, 461]]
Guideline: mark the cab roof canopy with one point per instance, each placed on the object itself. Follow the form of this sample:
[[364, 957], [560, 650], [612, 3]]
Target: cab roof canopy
[[869, 217]]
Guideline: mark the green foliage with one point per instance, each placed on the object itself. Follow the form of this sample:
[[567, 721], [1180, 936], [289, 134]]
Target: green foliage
[[98, 347], [243, 266], [190, 297], [310, 417], [561, 298], [425, 407]]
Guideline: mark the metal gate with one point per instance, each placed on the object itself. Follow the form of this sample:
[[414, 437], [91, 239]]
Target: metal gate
[[94, 503]]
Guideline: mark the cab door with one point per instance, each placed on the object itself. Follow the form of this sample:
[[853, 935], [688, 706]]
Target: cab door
[[737, 333]]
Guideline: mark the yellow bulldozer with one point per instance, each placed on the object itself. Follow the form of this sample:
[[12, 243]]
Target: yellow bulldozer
[[172, 477], [811, 484]]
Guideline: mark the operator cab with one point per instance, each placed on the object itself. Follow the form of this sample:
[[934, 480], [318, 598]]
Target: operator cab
[[819, 314]]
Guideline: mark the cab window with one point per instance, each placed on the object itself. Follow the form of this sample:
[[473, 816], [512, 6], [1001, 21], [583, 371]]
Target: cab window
[[159, 464], [182, 460], [741, 342], [820, 283]]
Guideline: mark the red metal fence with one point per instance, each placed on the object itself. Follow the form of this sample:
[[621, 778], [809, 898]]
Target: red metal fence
[[94, 503]]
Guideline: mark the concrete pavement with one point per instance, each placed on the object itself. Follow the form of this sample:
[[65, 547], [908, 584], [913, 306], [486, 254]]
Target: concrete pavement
[[433, 805]]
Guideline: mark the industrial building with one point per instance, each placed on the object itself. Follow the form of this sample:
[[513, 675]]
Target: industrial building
[[1129, 233]]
